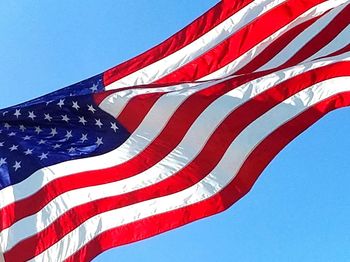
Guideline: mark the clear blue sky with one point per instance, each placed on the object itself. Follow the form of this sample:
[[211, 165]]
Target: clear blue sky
[[299, 210]]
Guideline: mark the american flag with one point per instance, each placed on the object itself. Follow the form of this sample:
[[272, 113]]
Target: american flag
[[178, 133]]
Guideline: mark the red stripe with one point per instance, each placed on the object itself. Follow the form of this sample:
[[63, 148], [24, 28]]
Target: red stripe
[[338, 24], [191, 174], [242, 183], [275, 47], [242, 41], [190, 33], [136, 110]]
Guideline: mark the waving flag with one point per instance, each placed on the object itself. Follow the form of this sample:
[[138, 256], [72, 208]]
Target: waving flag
[[176, 134]]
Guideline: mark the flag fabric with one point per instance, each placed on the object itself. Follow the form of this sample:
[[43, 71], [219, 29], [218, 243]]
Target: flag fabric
[[178, 133]]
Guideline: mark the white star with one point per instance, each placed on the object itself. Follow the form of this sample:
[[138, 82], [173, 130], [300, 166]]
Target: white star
[[43, 156], [22, 128], [41, 142], [99, 141], [68, 134], [94, 88], [13, 148], [57, 146], [17, 165], [61, 103], [65, 118], [2, 144], [75, 105], [82, 120], [2, 161], [53, 131], [7, 126], [12, 134], [27, 137], [114, 126], [38, 130], [83, 138], [71, 150], [91, 108], [98, 123], [31, 115], [48, 117], [17, 113], [28, 152]]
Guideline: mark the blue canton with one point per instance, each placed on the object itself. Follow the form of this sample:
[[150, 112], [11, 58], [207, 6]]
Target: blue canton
[[60, 126]]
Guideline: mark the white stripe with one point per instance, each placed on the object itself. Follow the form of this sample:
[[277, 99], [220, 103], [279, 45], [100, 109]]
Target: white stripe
[[150, 127], [337, 43], [116, 102], [250, 55], [200, 46], [294, 46], [183, 154], [218, 179]]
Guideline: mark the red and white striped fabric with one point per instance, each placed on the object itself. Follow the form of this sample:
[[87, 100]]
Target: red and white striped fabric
[[207, 110]]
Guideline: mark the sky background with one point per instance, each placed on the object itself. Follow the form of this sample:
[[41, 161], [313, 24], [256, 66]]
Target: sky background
[[299, 209]]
